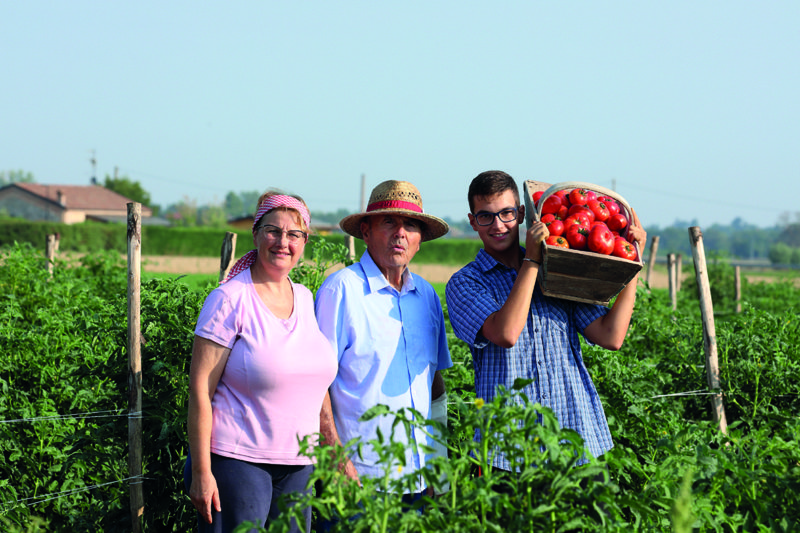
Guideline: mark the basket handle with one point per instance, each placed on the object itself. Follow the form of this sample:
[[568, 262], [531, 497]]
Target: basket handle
[[537, 214]]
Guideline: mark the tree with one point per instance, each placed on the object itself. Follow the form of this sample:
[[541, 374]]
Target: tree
[[184, 213], [15, 176], [212, 215], [790, 235], [128, 188], [233, 205]]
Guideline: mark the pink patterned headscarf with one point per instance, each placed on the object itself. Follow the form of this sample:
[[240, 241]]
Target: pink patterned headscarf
[[272, 202]]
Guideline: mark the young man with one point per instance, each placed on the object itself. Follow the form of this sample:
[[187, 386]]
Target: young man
[[514, 331]]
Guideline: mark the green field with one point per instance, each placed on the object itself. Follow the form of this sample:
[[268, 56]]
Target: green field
[[64, 442]]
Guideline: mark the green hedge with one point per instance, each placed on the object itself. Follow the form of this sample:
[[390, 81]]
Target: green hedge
[[195, 242]]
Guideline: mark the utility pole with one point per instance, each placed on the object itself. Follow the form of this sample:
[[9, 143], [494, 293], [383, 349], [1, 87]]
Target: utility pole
[[363, 204], [93, 161]]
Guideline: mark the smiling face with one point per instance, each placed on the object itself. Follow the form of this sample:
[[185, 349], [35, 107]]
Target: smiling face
[[276, 249], [500, 239], [392, 242]]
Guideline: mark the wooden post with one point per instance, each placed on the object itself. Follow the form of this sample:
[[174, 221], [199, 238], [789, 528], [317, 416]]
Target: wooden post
[[737, 275], [652, 260], [709, 329], [135, 365], [679, 268], [227, 254], [672, 275], [51, 250]]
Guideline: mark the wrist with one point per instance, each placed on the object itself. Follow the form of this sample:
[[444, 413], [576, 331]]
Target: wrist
[[539, 263]]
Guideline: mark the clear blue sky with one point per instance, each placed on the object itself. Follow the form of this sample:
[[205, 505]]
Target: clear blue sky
[[691, 108]]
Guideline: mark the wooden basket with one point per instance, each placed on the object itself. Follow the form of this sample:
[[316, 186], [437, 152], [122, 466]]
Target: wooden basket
[[575, 274]]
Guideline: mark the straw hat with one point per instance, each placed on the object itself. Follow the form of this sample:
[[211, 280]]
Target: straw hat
[[396, 198]]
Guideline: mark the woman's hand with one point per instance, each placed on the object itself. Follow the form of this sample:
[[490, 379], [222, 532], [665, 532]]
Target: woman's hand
[[203, 493]]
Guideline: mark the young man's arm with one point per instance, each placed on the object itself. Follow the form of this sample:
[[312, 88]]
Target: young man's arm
[[504, 327], [609, 331]]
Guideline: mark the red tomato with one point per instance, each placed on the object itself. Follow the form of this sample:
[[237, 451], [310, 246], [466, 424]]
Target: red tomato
[[611, 204], [556, 227], [582, 209], [578, 196], [601, 241], [557, 240], [563, 212], [551, 204], [536, 196], [599, 209], [598, 223], [624, 249], [563, 195], [617, 222], [590, 195], [580, 219], [549, 217], [577, 236]]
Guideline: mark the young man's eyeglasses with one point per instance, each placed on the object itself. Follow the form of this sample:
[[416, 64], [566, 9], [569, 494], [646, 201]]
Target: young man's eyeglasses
[[484, 218], [275, 233]]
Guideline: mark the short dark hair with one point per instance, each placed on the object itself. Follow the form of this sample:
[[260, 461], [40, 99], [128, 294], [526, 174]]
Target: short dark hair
[[490, 183]]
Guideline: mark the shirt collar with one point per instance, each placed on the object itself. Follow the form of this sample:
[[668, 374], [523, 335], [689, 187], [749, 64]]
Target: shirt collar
[[377, 280], [486, 262]]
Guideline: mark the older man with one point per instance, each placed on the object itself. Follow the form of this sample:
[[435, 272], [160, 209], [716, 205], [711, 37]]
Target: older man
[[387, 327]]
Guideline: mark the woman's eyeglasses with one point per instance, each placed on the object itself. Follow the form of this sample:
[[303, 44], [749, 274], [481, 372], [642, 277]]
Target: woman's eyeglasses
[[275, 233]]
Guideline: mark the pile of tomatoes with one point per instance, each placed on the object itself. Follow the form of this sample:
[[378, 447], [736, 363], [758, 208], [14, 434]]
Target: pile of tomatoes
[[582, 219]]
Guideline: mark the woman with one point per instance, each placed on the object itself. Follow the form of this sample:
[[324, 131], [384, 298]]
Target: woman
[[260, 369]]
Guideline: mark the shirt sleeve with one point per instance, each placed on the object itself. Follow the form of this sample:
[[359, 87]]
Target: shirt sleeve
[[444, 361], [329, 310], [218, 321], [584, 314], [469, 304]]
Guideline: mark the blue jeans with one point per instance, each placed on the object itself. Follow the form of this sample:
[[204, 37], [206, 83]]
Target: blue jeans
[[250, 491]]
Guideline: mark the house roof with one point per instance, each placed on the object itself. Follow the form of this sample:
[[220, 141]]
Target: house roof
[[81, 196]]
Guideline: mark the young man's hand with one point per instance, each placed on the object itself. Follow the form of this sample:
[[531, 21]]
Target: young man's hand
[[534, 238]]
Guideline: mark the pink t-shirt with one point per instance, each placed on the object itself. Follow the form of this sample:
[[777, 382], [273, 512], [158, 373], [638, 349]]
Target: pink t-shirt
[[276, 376]]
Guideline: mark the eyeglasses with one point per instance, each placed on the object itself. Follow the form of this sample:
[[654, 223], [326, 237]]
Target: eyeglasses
[[275, 233], [508, 214]]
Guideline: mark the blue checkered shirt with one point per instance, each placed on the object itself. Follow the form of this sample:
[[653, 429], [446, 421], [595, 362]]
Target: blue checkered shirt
[[548, 351]]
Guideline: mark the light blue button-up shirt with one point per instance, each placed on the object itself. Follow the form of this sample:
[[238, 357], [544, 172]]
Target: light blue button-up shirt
[[389, 344]]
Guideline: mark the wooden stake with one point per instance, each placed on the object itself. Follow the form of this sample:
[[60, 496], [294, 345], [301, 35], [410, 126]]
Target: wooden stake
[[673, 277], [227, 255], [737, 275], [652, 260], [679, 268], [135, 365], [709, 329], [51, 250]]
